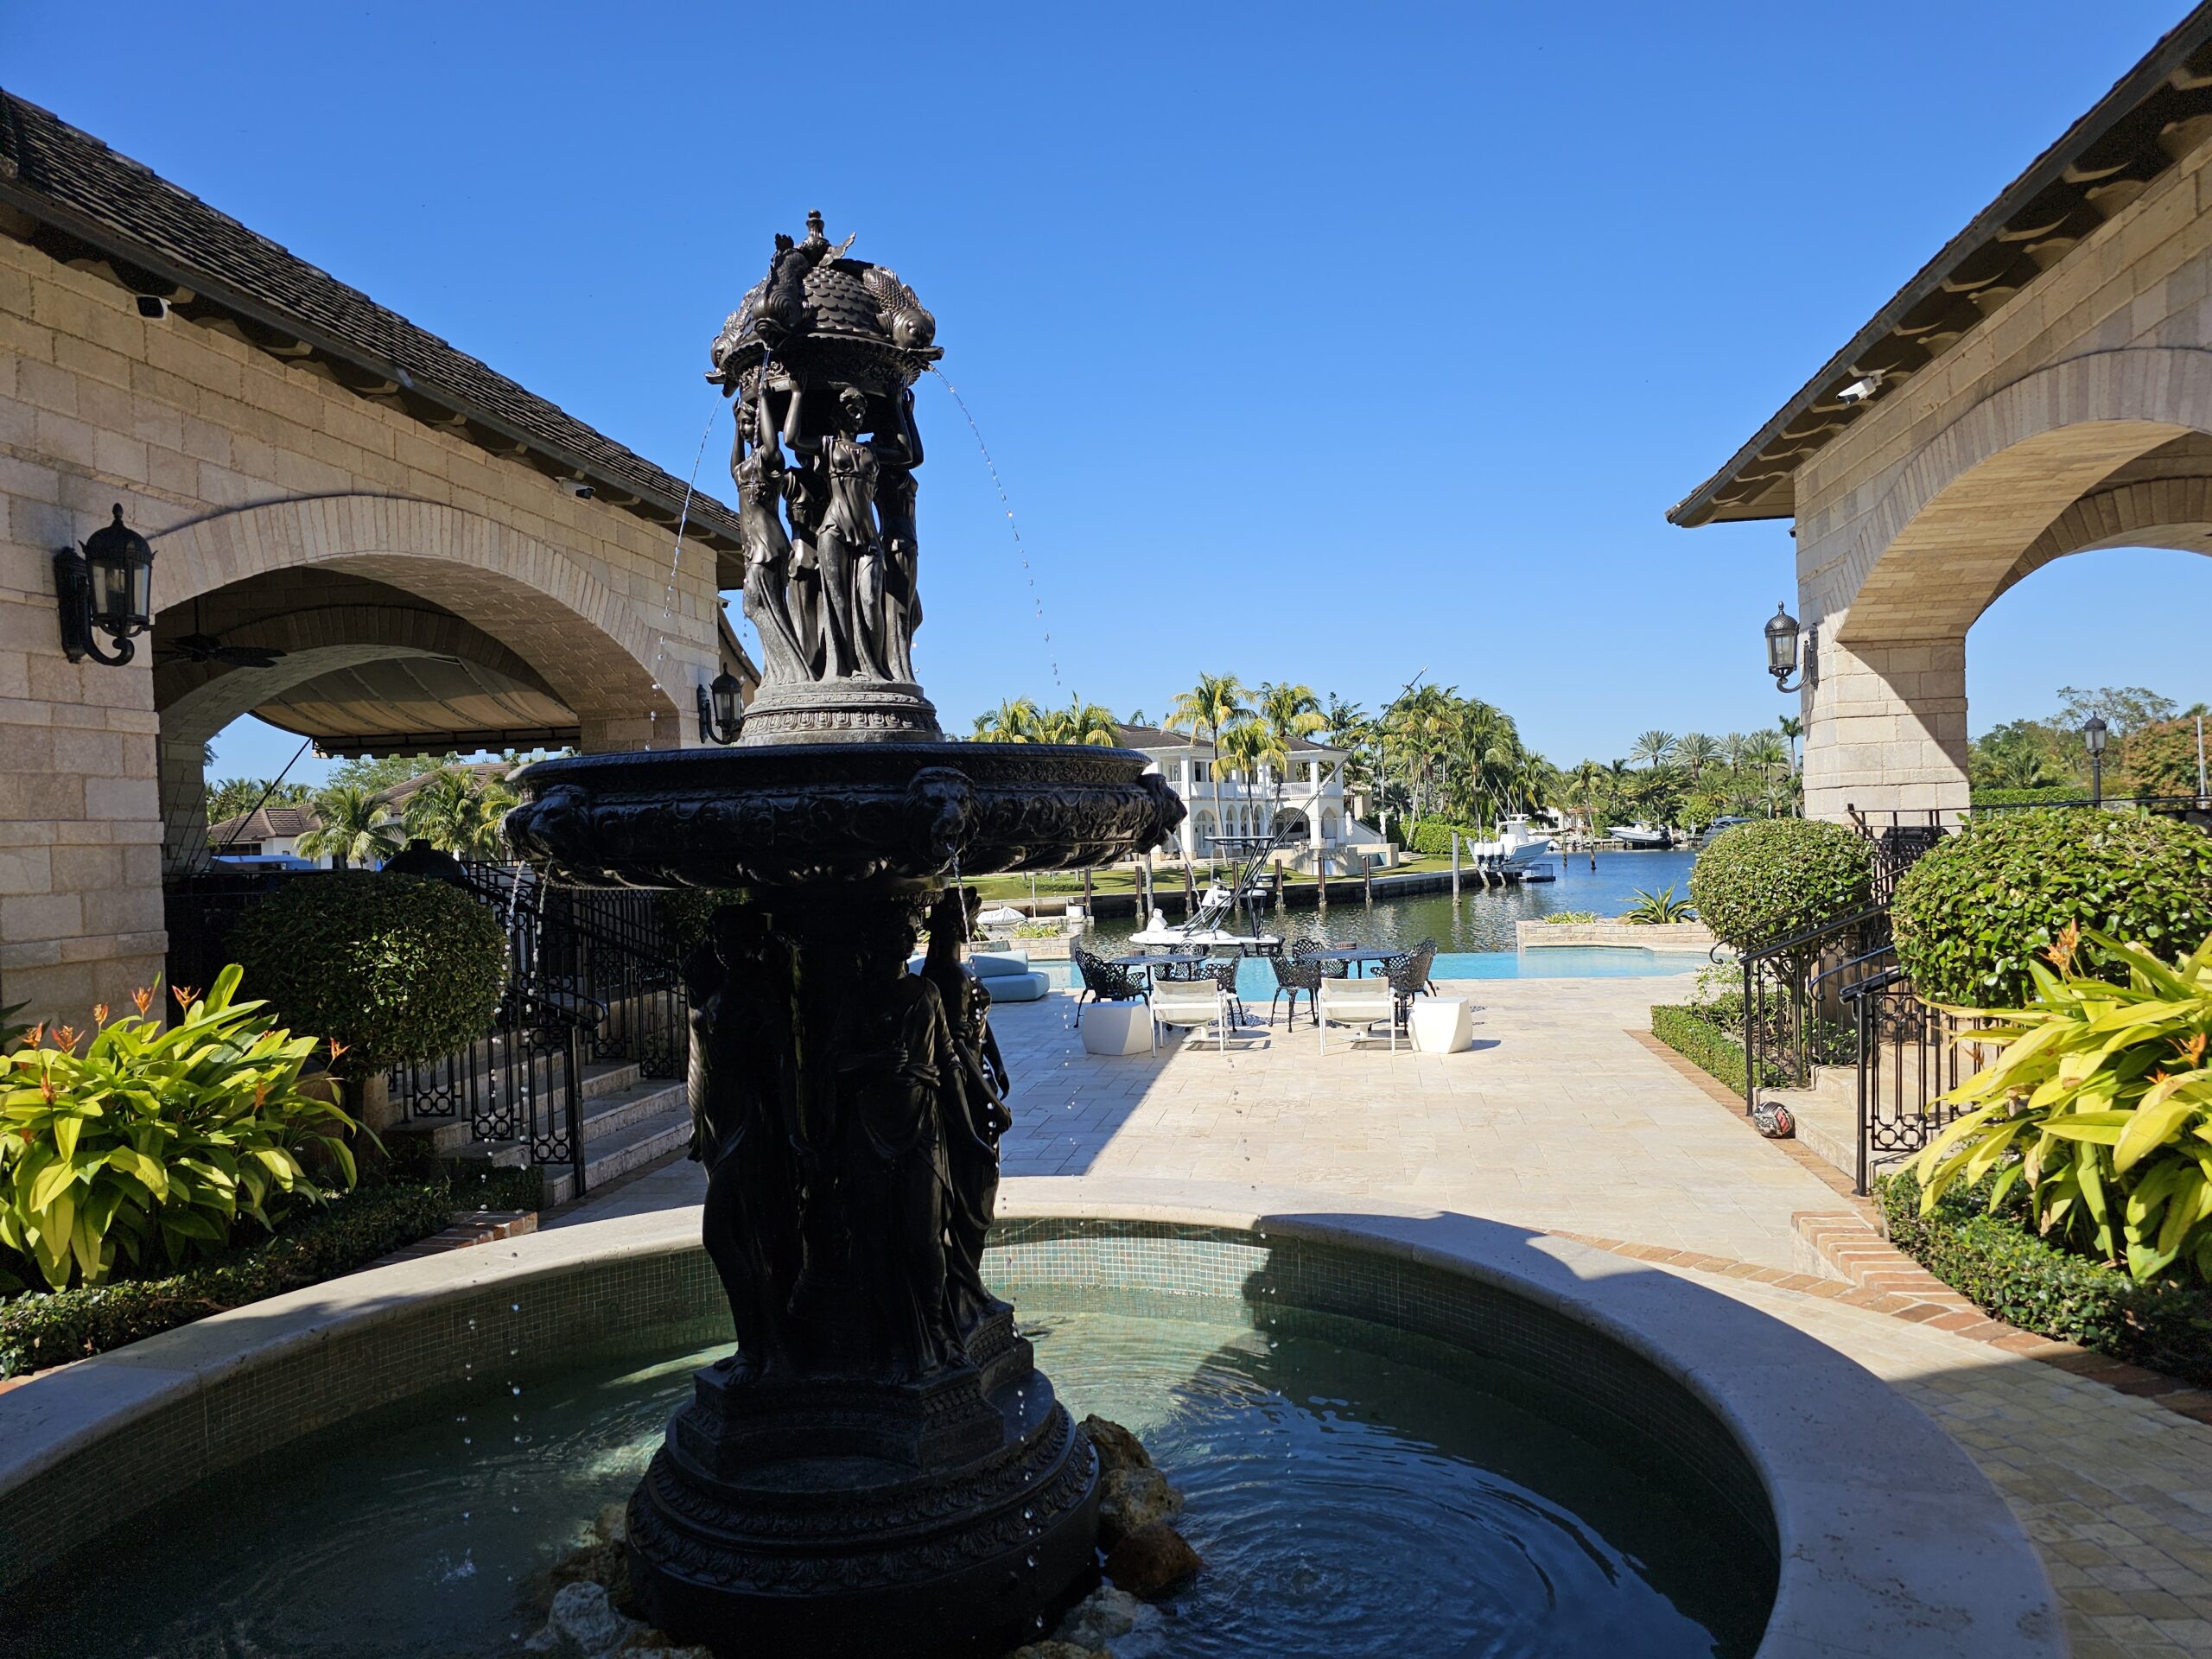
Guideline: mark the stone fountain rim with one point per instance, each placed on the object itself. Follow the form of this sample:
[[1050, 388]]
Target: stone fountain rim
[[831, 762], [1890, 1539]]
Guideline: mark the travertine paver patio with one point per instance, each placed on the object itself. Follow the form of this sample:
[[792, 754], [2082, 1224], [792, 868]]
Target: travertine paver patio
[[1556, 1118]]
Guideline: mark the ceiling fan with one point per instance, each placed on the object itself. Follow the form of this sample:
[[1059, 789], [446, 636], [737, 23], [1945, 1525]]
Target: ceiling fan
[[198, 647]]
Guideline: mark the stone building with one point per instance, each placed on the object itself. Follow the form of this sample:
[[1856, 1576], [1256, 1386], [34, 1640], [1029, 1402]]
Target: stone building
[[2043, 387], [426, 556], [1311, 793]]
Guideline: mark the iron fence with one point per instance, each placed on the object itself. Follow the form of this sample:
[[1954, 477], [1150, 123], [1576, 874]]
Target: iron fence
[[1910, 1054], [1794, 1017]]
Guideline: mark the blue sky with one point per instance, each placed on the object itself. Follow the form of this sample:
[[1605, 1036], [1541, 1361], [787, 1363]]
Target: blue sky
[[1317, 343]]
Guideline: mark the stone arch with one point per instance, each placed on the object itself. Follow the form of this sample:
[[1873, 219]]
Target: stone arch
[[1202, 830], [2169, 512], [594, 648], [1946, 537], [197, 700], [1332, 828]]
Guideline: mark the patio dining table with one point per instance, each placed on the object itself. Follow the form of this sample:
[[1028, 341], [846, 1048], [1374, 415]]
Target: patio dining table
[[1166, 958], [1354, 959]]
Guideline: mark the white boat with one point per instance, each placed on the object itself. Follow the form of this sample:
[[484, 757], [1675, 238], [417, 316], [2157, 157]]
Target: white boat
[[1517, 849], [1204, 930], [1641, 836]]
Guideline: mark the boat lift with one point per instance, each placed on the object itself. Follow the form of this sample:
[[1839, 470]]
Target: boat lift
[[1204, 924]]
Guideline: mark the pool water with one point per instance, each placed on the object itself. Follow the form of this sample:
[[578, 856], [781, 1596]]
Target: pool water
[[1353, 1490]]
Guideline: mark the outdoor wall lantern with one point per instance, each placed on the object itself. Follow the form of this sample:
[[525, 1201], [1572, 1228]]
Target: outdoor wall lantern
[[1782, 647], [722, 709], [107, 588], [2093, 736]]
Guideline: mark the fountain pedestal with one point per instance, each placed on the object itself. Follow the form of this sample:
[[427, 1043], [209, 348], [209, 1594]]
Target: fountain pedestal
[[880, 1468]]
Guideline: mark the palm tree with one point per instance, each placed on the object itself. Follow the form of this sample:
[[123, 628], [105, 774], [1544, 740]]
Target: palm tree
[[354, 824], [1589, 787], [1010, 722], [1080, 722], [461, 814], [1655, 749], [1792, 730], [1253, 746], [1209, 708], [1290, 713], [1695, 752]]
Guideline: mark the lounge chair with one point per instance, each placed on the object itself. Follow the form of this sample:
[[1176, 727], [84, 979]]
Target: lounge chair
[[1365, 1003], [1192, 1004]]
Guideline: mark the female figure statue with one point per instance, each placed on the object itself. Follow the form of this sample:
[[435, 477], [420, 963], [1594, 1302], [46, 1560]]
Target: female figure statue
[[897, 456], [759, 479], [840, 501], [975, 1110]]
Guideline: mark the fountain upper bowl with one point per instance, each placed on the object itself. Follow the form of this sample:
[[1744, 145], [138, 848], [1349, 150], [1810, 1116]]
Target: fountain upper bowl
[[798, 814]]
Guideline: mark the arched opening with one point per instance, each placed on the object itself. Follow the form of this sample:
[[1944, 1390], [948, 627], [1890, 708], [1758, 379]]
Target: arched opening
[[1202, 833], [2106, 451], [372, 626]]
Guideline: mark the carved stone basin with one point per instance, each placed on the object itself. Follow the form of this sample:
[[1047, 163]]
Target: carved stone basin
[[797, 814]]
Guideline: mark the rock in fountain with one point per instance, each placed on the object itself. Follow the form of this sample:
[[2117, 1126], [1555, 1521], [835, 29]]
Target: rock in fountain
[[879, 1468]]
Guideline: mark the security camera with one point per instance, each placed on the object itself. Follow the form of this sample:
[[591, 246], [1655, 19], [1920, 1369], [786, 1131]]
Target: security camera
[[153, 306], [581, 490], [1861, 389]]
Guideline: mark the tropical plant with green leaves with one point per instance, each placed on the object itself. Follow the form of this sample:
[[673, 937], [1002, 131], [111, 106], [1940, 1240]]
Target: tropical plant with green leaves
[[355, 828], [1091, 723], [1659, 909], [1014, 721], [159, 1136], [2098, 1107]]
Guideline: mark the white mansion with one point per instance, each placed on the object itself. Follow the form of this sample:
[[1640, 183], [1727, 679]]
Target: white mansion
[[1233, 804]]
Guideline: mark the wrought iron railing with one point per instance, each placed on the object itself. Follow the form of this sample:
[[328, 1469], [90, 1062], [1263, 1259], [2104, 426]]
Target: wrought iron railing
[[1910, 1055], [592, 975], [1793, 1011]]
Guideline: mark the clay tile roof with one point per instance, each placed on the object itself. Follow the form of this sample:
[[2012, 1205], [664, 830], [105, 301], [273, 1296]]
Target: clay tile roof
[[262, 824], [88, 201]]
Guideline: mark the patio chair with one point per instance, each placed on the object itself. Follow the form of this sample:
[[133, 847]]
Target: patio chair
[[1365, 1003], [1302, 949], [1408, 976], [1104, 981], [1224, 976], [1294, 976], [1193, 1005]]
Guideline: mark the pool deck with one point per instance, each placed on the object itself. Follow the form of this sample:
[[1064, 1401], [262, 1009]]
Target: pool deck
[[1559, 1119]]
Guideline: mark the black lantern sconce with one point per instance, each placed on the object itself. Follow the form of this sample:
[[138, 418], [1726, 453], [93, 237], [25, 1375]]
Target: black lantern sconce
[[107, 588], [1781, 633], [2093, 736], [722, 709]]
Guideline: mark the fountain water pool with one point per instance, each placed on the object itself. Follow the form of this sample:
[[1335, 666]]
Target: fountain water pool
[[1355, 1490]]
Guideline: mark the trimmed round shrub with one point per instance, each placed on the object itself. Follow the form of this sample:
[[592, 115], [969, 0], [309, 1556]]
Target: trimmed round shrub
[[393, 968], [1976, 910], [1769, 878]]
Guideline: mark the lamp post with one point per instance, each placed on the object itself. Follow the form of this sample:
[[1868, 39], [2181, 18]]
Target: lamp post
[[2093, 736], [722, 709], [1782, 634], [107, 588]]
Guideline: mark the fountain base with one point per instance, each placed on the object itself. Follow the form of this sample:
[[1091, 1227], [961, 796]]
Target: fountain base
[[841, 711], [837, 1517]]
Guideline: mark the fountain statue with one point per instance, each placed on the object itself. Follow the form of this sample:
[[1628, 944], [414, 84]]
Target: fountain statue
[[879, 1468]]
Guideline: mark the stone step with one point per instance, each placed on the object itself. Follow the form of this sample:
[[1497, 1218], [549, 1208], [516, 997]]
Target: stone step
[[452, 1137], [642, 1142]]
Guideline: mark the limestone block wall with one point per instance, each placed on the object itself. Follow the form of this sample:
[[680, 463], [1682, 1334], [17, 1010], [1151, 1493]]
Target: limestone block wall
[[232, 462], [1920, 513]]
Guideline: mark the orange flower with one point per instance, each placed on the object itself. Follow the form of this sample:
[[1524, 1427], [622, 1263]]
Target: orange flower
[[2193, 1049], [186, 996], [336, 1049], [35, 1035], [65, 1038], [2060, 952], [144, 996], [99, 1013]]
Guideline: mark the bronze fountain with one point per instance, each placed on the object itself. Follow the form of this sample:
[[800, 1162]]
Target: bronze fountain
[[879, 1468]]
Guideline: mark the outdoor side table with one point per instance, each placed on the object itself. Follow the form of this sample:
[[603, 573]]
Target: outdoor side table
[[1117, 1028], [1441, 1024]]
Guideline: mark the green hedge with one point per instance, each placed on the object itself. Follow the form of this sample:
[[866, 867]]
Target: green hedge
[[1977, 908], [38, 1329], [1766, 880], [2050, 795], [1431, 837], [2000, 1264], [1694, 1034], [394, 968]]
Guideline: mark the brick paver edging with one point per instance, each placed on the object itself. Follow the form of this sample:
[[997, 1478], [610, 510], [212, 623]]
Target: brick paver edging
[[1881, 1279], [469, 1227]]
